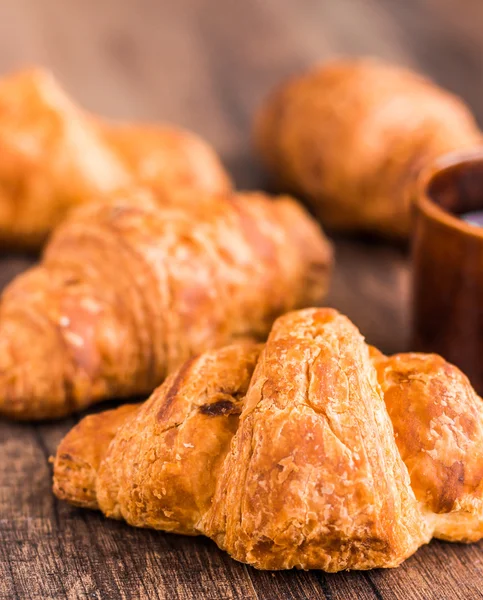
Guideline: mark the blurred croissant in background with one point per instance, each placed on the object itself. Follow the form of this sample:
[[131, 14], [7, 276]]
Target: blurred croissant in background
[[351, 137], [54, 156], [128, 289]]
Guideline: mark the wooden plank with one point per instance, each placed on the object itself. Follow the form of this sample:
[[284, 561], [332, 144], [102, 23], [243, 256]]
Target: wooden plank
[[206, 65]]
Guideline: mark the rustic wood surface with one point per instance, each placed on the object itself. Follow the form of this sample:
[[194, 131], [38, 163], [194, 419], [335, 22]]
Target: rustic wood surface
[[206, 65]]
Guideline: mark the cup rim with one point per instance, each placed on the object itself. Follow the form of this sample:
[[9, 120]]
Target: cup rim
[[427, 205]]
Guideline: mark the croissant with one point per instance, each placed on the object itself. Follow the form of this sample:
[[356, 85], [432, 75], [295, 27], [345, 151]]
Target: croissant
[[127, 290], [313, 451], [54, 157], [351, 137]]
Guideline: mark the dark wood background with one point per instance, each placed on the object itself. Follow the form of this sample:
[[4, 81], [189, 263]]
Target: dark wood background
[[206, 64]]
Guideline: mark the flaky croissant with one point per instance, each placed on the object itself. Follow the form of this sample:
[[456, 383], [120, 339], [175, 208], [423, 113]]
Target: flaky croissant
[[128, 290], [351, 137], [285, 455], [53, 156]]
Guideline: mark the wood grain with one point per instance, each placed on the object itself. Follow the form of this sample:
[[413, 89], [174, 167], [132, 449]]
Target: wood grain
[[206, 65]]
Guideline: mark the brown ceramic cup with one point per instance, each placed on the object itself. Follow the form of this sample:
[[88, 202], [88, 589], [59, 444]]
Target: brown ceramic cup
[[447, 257]]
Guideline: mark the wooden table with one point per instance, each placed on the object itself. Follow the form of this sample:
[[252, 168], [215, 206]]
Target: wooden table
[[206, 65]]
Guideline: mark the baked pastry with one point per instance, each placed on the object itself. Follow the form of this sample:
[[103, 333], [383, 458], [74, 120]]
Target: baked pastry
[[351, 137], [286, 456], [53, 157], [127, 290]]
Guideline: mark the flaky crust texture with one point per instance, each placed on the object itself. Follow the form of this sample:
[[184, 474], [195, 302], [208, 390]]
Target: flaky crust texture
[[54, 156], [128, 290], [351, 136], [314, 451]]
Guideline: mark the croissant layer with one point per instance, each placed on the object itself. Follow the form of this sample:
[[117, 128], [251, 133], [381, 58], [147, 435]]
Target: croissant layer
[[438, 426], [302, 485]]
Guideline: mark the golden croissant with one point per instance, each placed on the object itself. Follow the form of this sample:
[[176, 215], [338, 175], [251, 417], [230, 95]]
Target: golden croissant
[[127, 290], [352, 136], [54, 157], [314, 451]]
